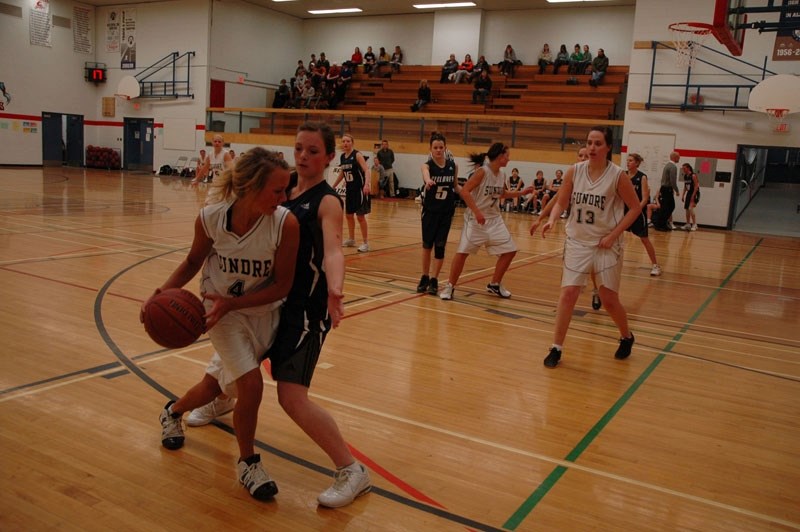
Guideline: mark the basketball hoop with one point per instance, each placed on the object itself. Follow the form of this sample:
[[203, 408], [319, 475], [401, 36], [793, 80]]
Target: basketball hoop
[[777, 114], [688, 39]]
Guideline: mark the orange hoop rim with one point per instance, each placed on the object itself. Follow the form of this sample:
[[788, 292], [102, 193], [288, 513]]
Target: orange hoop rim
[[698, 28], [777, 113]]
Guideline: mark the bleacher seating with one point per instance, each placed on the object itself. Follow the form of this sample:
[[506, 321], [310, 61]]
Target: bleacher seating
[[526, 94]]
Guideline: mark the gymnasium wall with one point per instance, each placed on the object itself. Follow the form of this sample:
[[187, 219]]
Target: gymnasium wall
[[52, 78], [710, 134]]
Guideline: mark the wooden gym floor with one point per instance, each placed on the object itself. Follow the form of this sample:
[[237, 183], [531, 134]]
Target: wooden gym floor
[[447, 403]]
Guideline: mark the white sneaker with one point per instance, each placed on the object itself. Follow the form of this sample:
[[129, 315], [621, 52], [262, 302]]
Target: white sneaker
[[687, 227], [349, 482], [208, 412], [498, 290], [363, 248], [672, 226], [349, 243], [656, 271], [256, 480], [447, 292], [694, 228]]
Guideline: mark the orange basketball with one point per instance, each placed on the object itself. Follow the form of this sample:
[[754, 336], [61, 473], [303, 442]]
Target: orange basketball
[[174, 318]]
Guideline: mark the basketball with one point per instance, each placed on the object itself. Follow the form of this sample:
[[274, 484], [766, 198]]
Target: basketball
[[174, 318]]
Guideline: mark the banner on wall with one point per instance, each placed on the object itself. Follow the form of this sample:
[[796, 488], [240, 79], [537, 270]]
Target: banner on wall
[[128, 39], [787, 41], [82, 29], [112, 31], [41, 23]]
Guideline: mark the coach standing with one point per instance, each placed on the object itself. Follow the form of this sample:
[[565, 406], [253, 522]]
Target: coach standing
[[669, 189], [386, 158]]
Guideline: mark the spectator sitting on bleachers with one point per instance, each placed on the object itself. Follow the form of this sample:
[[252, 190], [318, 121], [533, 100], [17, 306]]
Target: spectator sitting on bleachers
[[337, 93], [575, 60], [318, 74], [464, 70], [382, 60], [322, 96], [355, 59], [333, 73], [299, 85], [480, 66], [397, 59], [324, 61], [369, 60], [562, 58], [598, 68], [587, 60], [347, 73], [483, 87], [307, 96], [282, 95], [545, 58], [312, 63], [300, 67], [450, 66], [423, 96], [509, 62]]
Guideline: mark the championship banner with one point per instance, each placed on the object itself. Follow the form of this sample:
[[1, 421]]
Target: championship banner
[[787, 41], [112, 31], [128, 39], [41, 23]]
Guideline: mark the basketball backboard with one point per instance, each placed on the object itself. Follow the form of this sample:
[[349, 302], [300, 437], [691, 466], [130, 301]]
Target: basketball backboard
[[776, 93], [727, 24]]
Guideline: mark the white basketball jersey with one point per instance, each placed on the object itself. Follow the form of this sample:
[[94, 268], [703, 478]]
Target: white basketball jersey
[[487, 194], [596, 207], [217, 163], [238, 265]]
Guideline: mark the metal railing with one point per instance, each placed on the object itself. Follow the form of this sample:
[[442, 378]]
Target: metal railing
[[519, 132]]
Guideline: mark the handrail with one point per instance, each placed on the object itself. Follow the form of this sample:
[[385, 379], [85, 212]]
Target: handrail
[[168, 60], [688, 86], [416, 124]]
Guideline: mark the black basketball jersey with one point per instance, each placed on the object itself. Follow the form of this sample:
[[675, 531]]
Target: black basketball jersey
[[636, 181], [353, 173], [538, 184], [442, 196], [306, 305]]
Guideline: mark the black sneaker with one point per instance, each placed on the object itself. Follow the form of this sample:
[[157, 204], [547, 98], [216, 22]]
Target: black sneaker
[[253, 477], [624, 349], [552, 358], [433, 286], [423, 284], [596, 303]]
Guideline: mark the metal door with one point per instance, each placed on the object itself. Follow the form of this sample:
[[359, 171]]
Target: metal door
[[138, 152], [52, 140], [74, 140]]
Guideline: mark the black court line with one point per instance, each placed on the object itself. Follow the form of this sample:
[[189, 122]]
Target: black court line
[[128, 363]]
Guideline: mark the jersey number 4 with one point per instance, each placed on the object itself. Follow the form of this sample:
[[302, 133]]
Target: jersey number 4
[[236, 289]]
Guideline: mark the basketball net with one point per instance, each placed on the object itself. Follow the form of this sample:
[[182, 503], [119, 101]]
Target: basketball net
[[777, 115], [688, 39]]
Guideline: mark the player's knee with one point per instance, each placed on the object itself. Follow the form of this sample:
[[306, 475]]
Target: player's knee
[[438, 252]]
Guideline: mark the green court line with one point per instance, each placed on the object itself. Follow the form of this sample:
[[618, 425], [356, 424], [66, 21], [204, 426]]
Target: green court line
[[544, 488]]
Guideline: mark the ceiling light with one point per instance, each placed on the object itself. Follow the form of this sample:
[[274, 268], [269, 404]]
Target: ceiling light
[[566, 1], [332, 11], [439, 6]]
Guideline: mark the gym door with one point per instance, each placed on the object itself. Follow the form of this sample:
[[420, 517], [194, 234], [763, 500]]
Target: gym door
[[138, 143]]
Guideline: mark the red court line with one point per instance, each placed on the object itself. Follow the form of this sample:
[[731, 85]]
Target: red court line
[[393, 479], [12, 116], [67, 284]]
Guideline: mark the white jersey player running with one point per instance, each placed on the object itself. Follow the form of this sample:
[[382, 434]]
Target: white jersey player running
[[598, 190]]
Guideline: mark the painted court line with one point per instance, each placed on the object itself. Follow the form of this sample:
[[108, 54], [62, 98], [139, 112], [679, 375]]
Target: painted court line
[[544, 488]]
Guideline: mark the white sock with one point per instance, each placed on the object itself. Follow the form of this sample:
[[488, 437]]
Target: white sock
[[558, 347]]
